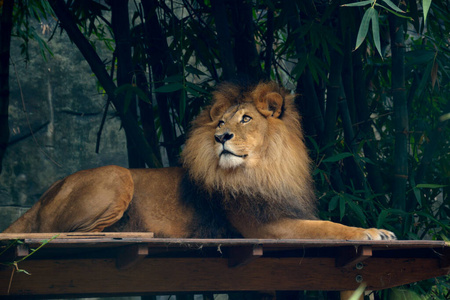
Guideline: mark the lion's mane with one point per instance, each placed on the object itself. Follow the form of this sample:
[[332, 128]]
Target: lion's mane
[[280, 185]]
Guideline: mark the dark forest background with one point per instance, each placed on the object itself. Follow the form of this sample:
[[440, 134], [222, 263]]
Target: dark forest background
[[372, 79]]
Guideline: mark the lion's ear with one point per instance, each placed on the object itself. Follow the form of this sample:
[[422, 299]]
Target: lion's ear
[[270, 105], [217, 110]]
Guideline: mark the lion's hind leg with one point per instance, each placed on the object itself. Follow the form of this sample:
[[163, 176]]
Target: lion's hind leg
[[86, 201]]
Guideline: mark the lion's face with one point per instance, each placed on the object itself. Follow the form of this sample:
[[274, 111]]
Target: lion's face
[[249, 142], [239, 136]]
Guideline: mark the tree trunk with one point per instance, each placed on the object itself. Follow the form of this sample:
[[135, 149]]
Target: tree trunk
[[224, 39], [434, 137], [310, 107], [148, 117], [401, 126], [5, 42], [374, 175], [121, 29], [354, 171], [333, 94], [129, 123], [162, 66], [245, 53], [269, 43]]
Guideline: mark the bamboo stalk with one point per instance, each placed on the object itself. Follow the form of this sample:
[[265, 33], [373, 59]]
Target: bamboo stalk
[[5, 41], [401, 126]]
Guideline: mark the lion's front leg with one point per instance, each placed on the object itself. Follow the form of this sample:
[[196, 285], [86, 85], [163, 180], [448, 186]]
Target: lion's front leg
[[314, 229]]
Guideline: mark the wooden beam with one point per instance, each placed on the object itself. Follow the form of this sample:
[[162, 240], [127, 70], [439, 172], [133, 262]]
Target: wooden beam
[[70, 277], [128, 256], [242, 255], [350, 256]]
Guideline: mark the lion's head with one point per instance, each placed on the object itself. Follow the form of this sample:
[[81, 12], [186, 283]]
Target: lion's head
[[249, 143]]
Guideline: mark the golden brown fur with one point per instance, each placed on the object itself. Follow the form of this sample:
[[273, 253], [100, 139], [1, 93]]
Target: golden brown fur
[[245, 173], [281, 176]]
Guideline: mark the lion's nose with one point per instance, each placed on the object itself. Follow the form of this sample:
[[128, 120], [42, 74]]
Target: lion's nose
[[222, 138]]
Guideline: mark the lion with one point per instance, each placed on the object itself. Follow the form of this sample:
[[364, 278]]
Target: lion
[[245, 173]]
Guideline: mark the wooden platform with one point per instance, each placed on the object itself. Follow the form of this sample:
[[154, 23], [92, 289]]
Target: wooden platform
[[107, 264]]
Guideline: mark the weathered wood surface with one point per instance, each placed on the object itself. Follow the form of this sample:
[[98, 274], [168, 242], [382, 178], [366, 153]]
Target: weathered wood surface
[[135, 264]]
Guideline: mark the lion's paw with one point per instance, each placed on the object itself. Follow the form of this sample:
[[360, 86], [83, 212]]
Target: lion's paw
[[375, 234]]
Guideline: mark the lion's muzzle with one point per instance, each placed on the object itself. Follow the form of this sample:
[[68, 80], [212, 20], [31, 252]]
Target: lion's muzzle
[[223, 138]]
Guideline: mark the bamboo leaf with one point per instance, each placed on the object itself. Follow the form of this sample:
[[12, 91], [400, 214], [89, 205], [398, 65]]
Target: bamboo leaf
[[22, 271], [122, 88], [366, 160], [316, 66], [418, 57], [333, 203], [393, 12], [444, 117], [169, 88], [358, 211], [364, 27], [434, 74], [195, 71], [174, 78], [300, 66], [376, 33], [429, 186], [342, 207], [127, 100], [418, 196], [393, 6], [382, 218], [338, 157], [194, 87], [426, 7], [141, 94], [425, 78], [182, 108], [362, 3]]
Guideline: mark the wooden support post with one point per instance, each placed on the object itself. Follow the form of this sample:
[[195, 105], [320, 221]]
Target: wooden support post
[[350, 256], [346, 295], [129, 256], [242, 255], [22, 250], [444, 258]]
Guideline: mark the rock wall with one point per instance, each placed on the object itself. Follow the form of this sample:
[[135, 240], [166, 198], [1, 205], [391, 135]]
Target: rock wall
[[55, 113]]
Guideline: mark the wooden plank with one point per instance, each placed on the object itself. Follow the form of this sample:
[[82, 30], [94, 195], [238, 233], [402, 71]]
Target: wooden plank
[[123, 236], [100, 276], [242, 255], [350, 256], [75, 235]]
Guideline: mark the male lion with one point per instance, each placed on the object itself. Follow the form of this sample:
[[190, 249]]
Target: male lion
[[246, 173]]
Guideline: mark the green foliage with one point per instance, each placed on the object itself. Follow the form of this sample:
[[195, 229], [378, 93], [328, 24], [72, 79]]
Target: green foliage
[[371, 17], [26, 13], [342, 73], [15, 264]]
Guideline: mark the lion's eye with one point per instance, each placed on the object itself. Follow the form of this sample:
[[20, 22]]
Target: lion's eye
[[220, 124], [246, 119]]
